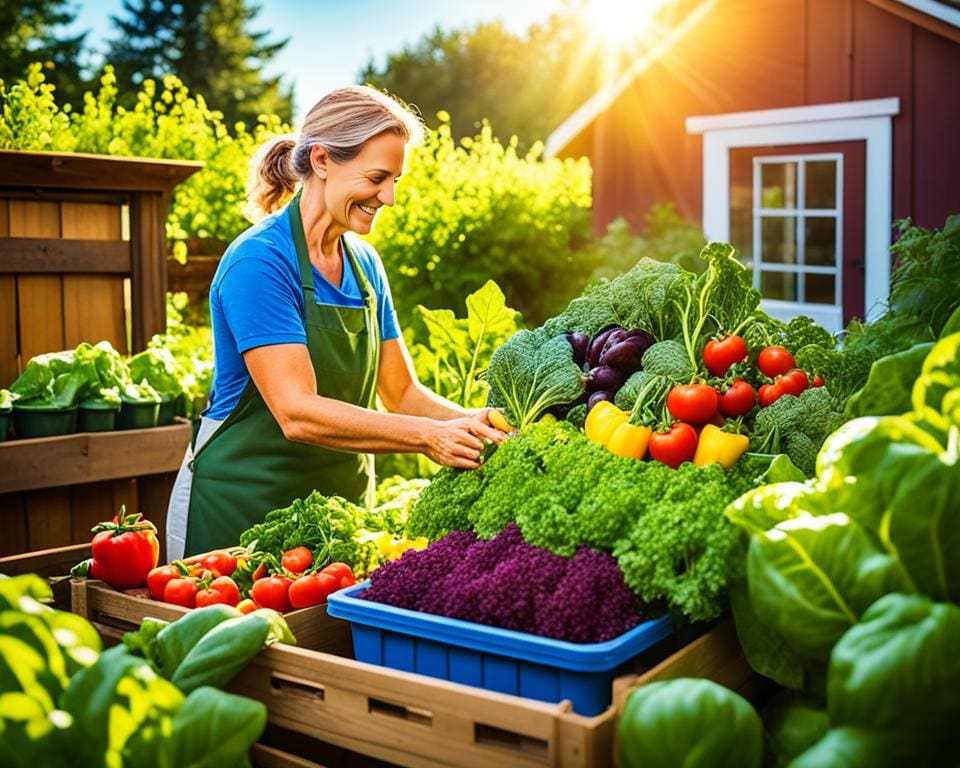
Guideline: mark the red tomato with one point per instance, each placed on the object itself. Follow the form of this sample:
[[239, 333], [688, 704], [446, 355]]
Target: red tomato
[[768, 394], [221, 590], [775, 361], [271, 592], [720, 355], [312, 589], [220, 562], [125, 552], [342, 573], [297, 560], [738, 400], [260, 573], [158, 578], [793, 382], [182, 592], [693, 403], [246, 606], [818, 381], [674, 447]]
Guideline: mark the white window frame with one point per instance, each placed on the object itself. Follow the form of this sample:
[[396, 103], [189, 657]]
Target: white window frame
[[868, 121], [829, 315]]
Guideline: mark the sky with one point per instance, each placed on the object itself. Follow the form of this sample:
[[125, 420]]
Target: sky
[[332, 40]]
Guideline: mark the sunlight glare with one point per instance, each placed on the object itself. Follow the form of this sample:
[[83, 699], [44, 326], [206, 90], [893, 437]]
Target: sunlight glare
[[619, 21]]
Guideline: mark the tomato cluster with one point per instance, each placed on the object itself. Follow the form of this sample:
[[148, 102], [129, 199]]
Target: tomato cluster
[[292, 583]]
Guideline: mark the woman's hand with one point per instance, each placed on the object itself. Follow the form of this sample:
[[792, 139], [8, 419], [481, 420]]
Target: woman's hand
[[459, 442]]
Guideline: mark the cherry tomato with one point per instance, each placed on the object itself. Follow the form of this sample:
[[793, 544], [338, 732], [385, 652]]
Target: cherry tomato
[[220, 562], [223, 589], [775, 361], [768, 394], [674, 447], [693, 403], [182, 592], [272, 592], [297, 560], [158, 579], [246, 606], [793, 382], [720, 355], [738, 400], [817, 381], [342, 573], [312, 589]]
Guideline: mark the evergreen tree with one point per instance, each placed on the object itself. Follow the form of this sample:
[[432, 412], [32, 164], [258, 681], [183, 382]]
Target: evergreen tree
[[206, 43], [28, 33]]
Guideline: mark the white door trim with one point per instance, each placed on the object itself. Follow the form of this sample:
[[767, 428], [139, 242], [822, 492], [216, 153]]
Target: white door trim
[[810, 125]]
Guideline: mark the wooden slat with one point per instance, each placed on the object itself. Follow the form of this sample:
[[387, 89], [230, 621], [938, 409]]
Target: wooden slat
[[149, 280], [42, 254], [91, 172], [40, 309], [31, 218], [45, 562], [153, 496], [9, 370], [90, 221], [48, 518], [90, 503], [13, 524], [93, 311], [126, 494], [92, 456]]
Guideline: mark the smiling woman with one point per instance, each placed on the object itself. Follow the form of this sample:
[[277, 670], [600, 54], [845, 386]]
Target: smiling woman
[[305, 337]]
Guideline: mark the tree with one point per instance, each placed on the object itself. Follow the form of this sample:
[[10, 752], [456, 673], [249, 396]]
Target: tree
[[524, 85], [207, 45], [28, 33]]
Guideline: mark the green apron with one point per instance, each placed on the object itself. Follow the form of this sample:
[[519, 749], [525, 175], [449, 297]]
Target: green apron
[[248, 467]]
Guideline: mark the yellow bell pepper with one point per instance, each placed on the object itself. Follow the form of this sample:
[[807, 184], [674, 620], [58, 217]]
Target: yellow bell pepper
[[629, 440], [602, 420], [724, 448]]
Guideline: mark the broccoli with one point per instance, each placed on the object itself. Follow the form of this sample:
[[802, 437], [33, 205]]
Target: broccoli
[[577, 415], [669, 359], [801, 331], [683, 548], [529, 373], [813, 414]]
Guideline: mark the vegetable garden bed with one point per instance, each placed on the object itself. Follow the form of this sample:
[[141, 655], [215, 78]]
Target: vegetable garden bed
[[317, 690]]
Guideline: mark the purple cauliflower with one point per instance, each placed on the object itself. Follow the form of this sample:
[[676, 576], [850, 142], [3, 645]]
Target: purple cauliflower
[[508, 583]]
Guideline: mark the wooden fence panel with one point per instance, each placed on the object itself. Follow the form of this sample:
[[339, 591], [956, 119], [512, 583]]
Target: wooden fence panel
[[48, 518], [8, 312], [13, 524], [93, 307], [40, 297]]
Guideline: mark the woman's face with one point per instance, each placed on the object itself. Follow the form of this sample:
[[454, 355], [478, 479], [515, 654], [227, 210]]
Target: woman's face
[[356, 189]]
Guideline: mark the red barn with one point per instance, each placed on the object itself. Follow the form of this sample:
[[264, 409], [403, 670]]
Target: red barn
[[798, 130]]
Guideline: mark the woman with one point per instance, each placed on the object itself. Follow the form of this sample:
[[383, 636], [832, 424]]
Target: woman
[[305, 337]]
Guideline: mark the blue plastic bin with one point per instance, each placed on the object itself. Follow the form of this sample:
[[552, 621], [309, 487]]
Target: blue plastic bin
[[487, 657]]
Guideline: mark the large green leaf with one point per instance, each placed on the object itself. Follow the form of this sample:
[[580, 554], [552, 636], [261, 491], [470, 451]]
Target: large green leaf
[[214, 729], [765, 650], [889, 386], [936, 393], [810, 579]]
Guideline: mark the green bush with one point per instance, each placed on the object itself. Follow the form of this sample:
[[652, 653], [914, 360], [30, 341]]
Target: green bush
[[476, 210]]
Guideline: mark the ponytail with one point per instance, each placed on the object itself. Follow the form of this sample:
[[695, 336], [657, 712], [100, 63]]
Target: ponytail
[[272, 178]]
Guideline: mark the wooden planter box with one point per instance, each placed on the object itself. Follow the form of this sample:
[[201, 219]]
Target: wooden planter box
[[113, 612], [319, 699]]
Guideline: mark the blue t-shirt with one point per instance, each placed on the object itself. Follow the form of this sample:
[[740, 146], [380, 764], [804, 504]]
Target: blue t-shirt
[[256, 299]]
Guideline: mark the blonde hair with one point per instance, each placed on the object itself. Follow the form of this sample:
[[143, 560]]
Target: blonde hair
[[342, 121]]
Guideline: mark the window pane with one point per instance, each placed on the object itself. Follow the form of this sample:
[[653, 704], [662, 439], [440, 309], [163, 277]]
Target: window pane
[[778, 285], [778, 183], [821, 246], [778, 239], [821, 184], [820, 289]]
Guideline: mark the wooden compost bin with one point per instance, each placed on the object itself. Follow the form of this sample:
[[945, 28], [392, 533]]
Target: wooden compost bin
[[82, 258]]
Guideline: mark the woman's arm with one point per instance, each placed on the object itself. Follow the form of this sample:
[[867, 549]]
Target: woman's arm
[[401, 392], [284, 377]]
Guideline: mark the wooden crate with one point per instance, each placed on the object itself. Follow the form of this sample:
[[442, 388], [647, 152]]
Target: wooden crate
[[113, 612]]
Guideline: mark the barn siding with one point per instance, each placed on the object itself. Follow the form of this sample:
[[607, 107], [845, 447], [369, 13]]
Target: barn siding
[[767, 54]]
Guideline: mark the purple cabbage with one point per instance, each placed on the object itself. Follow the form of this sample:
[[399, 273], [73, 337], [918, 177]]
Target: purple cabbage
[[508, 583]]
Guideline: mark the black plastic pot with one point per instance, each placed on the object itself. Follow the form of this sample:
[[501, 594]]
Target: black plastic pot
[[168, 409], [138, 415], [5, 423], [96, 416], [43, 422]]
